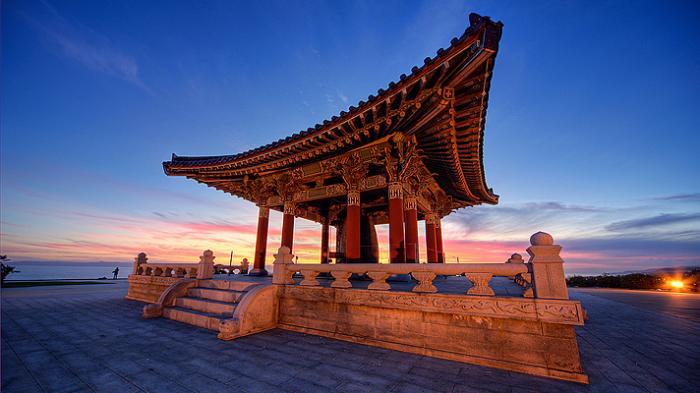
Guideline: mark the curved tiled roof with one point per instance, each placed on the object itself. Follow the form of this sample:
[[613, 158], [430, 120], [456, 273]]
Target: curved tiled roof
[[481, 38]]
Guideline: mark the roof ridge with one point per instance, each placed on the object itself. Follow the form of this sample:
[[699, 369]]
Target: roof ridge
[[476, 22]]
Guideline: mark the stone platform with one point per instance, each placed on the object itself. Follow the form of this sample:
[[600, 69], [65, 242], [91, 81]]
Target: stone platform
[[88, 338]]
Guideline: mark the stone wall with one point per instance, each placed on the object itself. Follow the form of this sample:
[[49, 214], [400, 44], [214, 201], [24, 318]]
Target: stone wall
[[148, 288], [534, 336]]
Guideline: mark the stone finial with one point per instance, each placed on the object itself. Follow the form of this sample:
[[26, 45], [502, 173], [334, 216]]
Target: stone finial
[[515, 258], [207, 257], [541, 239], [547, 267], [138, 261], [205, 270], [284, 255], [280, 273]]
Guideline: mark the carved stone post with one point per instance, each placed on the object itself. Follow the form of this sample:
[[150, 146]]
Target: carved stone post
[[430, 238], [282, 271], [438, 241], [261, 242], [205, 268], [138, 261], [352, 227], [410, 215], [397, 250], [288, 225], [547, 267]]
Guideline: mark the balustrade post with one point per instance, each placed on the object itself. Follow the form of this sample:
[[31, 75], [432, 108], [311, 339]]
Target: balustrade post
[[341, 279], [309, 278], [515, 258], [282, 271], [522, 279], [547, 267], [379, 281], [138, 261], [205, 268], [480, 284], [425, 282]]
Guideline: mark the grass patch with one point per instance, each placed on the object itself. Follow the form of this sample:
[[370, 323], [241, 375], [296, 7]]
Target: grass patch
[[26, 284]]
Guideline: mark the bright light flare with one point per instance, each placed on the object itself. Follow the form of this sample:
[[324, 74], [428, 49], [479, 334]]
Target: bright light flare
[[677, 284]]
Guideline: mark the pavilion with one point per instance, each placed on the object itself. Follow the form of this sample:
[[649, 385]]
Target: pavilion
[[411, 152]]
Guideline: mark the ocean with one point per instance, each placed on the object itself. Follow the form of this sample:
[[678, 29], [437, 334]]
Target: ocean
[[64, 271]]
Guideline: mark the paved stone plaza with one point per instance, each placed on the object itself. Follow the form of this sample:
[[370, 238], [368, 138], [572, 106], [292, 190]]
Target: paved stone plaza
[[88, 338]]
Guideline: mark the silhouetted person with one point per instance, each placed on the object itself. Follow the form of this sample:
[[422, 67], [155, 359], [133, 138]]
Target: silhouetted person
[[116, 273]]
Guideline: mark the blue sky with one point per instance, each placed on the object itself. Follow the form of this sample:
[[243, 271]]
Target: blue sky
[[592, 132]]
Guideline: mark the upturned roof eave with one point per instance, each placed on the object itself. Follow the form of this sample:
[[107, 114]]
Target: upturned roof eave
[[477, 25]]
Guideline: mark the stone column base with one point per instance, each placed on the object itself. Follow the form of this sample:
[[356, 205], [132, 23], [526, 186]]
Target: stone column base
[[258, 272]]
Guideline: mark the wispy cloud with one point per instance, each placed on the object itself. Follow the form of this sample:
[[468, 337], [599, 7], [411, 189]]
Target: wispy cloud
[[680, 197], [595, 238], [342, 96], [85, 46], [655, 221]]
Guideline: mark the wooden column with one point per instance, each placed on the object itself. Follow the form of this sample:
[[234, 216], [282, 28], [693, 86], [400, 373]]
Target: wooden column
[[352, 228], [288, 225], [340, 242], [261, 242], [397, 250], [324, 241], [438, 241], [430, 238], [410, 215]]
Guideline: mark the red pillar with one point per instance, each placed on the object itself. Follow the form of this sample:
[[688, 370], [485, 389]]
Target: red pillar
[[438, 241], [324, 241], [261, 243], [288, 225], [397, 250], [410, 215], [430, 238], [352, 228]]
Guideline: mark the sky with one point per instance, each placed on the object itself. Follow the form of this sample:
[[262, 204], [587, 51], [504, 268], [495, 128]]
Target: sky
[[592, 133]]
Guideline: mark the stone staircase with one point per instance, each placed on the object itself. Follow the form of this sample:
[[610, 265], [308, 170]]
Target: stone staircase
[[208, 303]]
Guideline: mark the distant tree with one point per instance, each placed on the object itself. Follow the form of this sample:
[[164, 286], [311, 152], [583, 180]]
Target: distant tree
[[627, 281], [5, 269]]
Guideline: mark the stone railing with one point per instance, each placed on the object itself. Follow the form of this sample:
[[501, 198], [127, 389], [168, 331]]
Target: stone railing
[[242, 268], [148, 280], [542, 276], [532, 333], [202, 270]]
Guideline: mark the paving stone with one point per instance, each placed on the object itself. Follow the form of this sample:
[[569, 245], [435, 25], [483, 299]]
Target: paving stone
[[89, 339]]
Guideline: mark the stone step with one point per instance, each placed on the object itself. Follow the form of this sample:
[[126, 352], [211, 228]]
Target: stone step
[[191, 317], [226, 284], [206, 305], [221, 295]]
